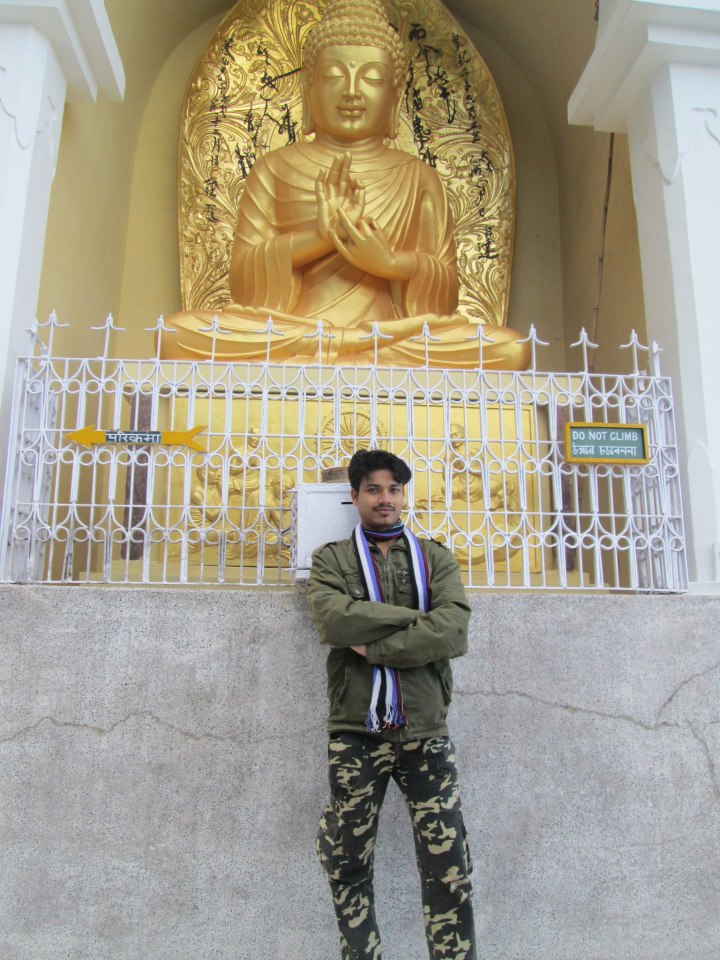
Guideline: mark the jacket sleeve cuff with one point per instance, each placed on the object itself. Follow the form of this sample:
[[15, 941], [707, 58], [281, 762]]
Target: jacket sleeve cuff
[[374, 653]]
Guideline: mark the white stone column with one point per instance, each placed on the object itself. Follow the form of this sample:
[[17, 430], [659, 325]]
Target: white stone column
[[655, 74], [49, 52], [32, 98]]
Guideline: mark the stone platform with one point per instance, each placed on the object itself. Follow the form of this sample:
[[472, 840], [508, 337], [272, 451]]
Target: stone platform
[[162, 771]]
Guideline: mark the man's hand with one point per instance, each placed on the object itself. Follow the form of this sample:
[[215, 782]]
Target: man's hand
[[361, 650]]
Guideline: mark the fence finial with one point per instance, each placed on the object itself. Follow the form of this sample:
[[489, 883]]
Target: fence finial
[[108, 327], [215, 329], [319, 335], [53, 325], [481, 339], [655, 351], [37, 344], [375, 335], [269, 331], [534, 340], [635, 345], [159, 329], [426, 337], [586, 344]]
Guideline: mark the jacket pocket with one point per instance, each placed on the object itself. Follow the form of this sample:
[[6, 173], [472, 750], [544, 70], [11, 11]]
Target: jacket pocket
[[339, 691], [444, 672], [426, 697], [355, 586]]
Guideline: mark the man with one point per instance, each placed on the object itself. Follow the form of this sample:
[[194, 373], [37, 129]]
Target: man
[[393, 611]]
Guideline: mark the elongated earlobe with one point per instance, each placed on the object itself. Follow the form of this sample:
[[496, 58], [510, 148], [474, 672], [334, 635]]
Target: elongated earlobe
[[394, 123], [307, 125]]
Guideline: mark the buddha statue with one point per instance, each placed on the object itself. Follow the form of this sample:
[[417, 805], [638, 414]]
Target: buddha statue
[[344, 229]]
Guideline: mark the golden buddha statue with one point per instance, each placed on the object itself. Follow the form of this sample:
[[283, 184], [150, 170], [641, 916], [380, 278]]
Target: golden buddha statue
[[345, 230]]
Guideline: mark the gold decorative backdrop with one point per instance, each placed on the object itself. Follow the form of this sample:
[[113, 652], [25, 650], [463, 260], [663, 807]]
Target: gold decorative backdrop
[[243, 99]]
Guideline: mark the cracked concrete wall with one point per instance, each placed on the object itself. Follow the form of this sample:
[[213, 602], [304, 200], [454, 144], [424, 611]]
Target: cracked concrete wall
[[162, 771]]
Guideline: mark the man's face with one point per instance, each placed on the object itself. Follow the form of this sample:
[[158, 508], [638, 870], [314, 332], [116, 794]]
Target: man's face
[[379, 500]]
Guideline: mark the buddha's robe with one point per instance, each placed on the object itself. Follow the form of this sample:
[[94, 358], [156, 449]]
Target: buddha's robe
[[406, 198]]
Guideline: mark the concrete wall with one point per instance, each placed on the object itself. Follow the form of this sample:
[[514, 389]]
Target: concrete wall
[[162, 772]]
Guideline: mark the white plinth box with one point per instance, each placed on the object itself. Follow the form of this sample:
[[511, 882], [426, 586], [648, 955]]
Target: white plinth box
[[322, 512]]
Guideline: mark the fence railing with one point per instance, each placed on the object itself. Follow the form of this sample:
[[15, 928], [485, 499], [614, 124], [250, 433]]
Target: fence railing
[[174, 472]]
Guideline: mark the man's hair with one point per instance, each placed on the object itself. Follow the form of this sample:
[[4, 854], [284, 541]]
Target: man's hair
[[368, 461]]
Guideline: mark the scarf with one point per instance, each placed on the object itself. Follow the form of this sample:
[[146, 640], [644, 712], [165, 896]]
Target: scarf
[[387, 711]]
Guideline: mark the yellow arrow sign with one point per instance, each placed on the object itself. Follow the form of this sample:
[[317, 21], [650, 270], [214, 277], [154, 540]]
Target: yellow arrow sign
[[91, 436]]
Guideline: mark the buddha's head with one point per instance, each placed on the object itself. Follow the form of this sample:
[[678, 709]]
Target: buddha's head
[[353, 73]]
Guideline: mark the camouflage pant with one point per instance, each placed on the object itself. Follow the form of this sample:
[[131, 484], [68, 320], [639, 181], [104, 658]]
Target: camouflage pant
[[359, 769]]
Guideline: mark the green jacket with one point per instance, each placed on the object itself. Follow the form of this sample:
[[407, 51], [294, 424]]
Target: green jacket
[[396, 634]]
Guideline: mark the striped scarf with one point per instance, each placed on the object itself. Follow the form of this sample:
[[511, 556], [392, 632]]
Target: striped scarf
[[387, 711]]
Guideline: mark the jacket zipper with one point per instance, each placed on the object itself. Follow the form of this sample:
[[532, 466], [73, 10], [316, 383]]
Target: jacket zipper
[[386, 577]]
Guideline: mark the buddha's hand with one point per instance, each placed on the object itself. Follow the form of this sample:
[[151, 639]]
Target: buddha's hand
[[337, 190], [365, 245]]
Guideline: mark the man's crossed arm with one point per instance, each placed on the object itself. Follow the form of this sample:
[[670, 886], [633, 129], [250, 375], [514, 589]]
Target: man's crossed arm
[[384, 633]]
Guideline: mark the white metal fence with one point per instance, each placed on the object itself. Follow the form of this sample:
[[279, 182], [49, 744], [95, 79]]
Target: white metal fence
[[148, 471]]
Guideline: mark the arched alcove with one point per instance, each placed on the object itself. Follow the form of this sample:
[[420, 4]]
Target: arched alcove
[[151, 275], [111, 243]]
